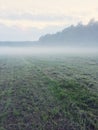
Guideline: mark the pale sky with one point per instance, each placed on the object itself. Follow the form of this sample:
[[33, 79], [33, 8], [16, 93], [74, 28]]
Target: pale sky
[[29, 19]]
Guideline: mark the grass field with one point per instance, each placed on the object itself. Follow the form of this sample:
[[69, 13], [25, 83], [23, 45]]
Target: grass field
[[53, 92]]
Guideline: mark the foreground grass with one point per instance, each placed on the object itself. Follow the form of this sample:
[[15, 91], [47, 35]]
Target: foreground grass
[[78, 104], [44, 94]]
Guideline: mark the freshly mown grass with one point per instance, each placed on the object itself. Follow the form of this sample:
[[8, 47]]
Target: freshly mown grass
[[78, 104], [54, 93]]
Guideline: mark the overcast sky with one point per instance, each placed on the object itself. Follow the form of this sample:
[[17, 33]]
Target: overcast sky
[[29, 19]]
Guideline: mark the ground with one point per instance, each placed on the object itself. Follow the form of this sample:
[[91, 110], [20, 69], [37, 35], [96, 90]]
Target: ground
[[52, 92]]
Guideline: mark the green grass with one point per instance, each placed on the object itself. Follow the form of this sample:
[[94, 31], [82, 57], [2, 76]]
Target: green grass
[[78, 104], [48, 93]]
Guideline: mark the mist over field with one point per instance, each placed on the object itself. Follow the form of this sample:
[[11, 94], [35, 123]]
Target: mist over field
[[51, 85], [46, 50], [48, 64]]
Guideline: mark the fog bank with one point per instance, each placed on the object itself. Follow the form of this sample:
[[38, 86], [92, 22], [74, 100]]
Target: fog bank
[[45, 50]]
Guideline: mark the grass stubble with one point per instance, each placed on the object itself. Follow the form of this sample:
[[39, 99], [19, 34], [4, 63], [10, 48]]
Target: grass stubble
[[54, 93]]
